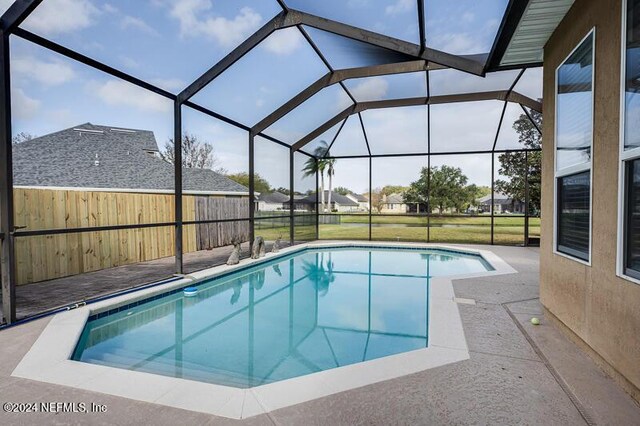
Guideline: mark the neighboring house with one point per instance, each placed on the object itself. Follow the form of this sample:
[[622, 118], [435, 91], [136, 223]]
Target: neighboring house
[[271, 201], [104, 158], [339, 203], [393, 203], [363, 201], [502, 204]]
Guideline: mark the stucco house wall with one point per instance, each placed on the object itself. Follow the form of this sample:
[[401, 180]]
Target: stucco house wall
[[600, 310]]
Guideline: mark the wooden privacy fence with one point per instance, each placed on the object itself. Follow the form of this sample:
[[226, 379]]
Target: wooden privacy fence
[[46, 257]]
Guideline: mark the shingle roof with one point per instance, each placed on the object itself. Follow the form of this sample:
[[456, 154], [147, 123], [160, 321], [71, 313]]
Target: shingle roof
[[499, 198], [335, 197], [68, 159], [395, 199], [360, 198], [272, 197]]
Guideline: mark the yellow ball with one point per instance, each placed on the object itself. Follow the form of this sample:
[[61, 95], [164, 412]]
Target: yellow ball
[[535, 321]]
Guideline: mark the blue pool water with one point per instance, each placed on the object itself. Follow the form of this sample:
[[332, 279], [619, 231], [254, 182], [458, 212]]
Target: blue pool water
[[306, 312]]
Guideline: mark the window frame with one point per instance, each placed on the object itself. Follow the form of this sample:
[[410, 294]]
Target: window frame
[[625, 157], [576, 168]]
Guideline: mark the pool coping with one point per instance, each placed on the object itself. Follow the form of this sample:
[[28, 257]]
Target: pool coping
[[49, 359]]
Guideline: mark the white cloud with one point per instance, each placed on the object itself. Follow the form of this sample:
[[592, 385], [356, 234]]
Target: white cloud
[[22, 106], [62, 16], [129, 62], [355, 4], [284, 42], [227, 32], [62, 117], [468, 17], [109, 8], [47, 73], [458, 43], [400, 6], [120, 93], [130, 22], [369, 89], [169, 83]]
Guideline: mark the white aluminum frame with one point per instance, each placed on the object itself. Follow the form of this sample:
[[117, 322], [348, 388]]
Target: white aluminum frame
[[624, 156], [577, 168]]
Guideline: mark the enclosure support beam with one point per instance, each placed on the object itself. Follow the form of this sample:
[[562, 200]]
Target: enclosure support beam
[[526, 199], [17, 13], [433, 154], [493, 196], [334, 77], [324, 127], [7, 261], [501, 95], [291, 206], [317, 201], [531, 119], [279, 21], [290, 18], [468, 64], [370, 192], [177, 170], [78, 57], [252, 189], [421, 26], [428, 167]]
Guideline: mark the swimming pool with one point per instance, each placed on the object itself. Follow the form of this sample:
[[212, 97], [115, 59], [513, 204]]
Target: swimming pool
[[310, 311]]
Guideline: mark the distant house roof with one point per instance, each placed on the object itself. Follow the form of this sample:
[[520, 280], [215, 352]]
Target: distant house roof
[[395, 199], [91, 156], [360, 198], [335, 198], [499, 198], [272, 197]]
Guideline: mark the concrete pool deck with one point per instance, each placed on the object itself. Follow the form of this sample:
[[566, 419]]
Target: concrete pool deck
[[517, 373]]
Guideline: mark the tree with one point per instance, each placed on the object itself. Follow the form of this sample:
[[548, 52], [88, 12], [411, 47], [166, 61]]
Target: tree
[[285, 191], [377, 199], [448, 189], [516, 168], [319, 165], [394, 189], [483, 190], [343, 191], [195, 154], [330, 172], [21, 137], [261, 185]]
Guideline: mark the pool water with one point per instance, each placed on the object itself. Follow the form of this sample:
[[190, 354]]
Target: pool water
[[309, 311]]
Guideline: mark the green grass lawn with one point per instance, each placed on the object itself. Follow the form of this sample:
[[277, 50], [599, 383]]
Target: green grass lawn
[[508, 230]]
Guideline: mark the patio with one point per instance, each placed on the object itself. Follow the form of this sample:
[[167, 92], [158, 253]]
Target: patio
[[141, 141], [518, 373]]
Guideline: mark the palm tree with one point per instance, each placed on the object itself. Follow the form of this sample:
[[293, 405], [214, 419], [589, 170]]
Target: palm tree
[[319, 165], [330, 172]]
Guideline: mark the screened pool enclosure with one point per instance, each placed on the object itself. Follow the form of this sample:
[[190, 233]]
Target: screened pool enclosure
[[141, 139]]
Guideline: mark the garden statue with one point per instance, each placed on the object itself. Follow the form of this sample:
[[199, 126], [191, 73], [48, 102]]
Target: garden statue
[[257, 249], [277, 244], [234, 258]]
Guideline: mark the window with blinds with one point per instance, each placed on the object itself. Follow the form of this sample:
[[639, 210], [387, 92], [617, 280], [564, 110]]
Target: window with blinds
[[574, 138], [573, 224], [630, 153], [632, 219]]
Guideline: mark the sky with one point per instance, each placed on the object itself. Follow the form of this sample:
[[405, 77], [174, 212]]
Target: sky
[[171, 42]]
